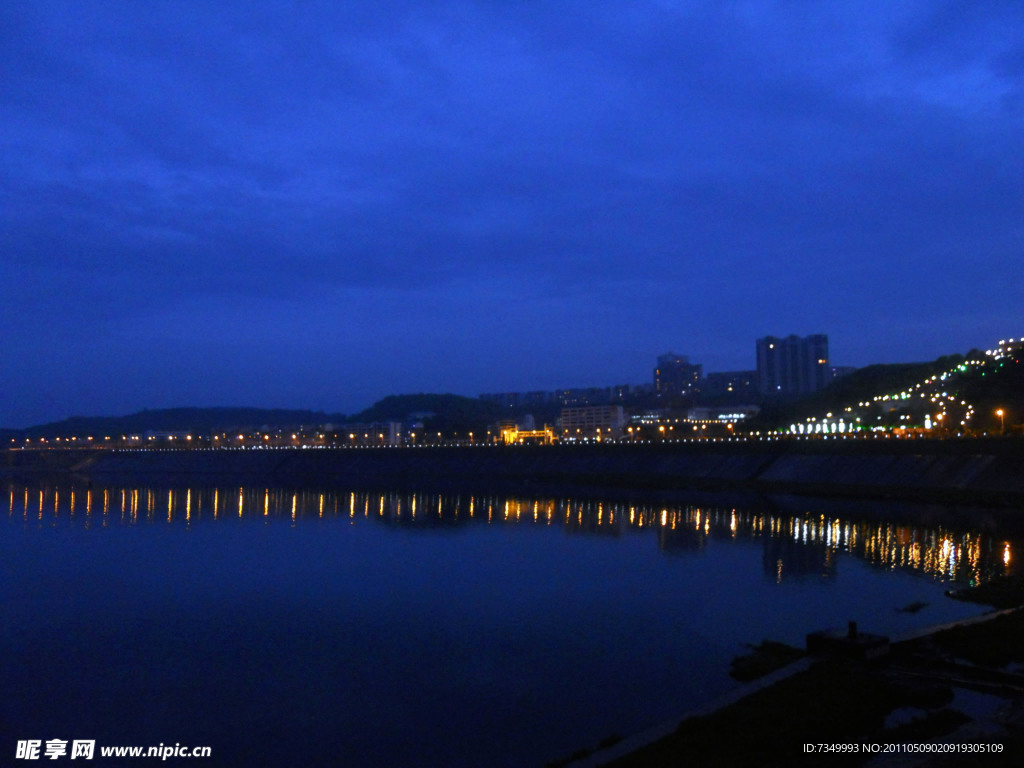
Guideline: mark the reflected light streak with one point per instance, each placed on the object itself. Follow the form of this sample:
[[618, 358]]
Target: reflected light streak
[[809, 543]]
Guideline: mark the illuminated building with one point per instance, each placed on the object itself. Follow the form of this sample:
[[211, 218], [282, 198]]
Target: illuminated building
[[593, 421], [676, 376], [794, 365], [510, 434]]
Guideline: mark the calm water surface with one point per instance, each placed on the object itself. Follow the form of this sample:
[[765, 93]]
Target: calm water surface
[[286, 627]]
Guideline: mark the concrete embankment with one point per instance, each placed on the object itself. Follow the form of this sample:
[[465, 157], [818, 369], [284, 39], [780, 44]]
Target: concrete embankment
[[986, 471]]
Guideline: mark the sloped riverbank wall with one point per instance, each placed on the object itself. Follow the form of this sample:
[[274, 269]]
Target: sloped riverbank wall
[[985, 471]]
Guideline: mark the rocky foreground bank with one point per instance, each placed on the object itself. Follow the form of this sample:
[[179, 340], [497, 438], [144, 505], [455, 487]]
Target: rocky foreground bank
[[949, 697]]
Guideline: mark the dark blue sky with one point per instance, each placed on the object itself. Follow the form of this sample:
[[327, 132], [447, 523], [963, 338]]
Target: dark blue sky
[[316, 206]]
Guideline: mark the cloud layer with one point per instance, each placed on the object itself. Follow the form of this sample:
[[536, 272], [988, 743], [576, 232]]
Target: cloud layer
[[317, 207]]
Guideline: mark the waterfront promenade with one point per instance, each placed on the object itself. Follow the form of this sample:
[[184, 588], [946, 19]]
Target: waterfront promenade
[[988, 471]]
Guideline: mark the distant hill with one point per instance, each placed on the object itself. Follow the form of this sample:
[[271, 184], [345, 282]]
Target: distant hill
[[999, 385], [994, 384], [200, 420], [447, 413], [862, 384]]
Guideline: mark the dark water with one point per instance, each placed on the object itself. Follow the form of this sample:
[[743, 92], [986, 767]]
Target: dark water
[[307, 628]]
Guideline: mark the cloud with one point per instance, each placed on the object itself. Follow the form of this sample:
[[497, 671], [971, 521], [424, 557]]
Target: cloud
[[693, 161]]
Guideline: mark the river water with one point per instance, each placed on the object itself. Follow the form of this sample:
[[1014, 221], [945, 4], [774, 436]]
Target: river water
[[307, 627]]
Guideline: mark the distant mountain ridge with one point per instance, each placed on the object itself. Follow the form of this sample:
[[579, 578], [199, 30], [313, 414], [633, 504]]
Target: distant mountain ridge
[[200, 420], [438, 411]]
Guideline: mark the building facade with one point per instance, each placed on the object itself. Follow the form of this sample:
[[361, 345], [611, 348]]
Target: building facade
[[792, 366], [676, 376], [592, 421]]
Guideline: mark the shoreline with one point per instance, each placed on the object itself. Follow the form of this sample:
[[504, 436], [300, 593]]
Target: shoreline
[[977, 472], [919, 674]]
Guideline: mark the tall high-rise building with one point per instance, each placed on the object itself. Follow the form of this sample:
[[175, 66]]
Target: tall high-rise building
[[794, 365], [676, 376]]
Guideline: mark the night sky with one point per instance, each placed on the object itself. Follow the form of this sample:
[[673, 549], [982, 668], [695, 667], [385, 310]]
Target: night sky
[[320, 205]]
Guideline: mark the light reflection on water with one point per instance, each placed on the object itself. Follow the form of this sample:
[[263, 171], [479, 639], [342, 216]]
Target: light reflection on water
[[800, 544], [307, 626]]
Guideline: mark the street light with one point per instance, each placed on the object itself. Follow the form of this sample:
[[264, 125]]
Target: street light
[[1002, 420]]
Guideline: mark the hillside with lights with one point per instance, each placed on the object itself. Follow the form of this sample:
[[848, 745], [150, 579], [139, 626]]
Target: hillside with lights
[[981, 394]]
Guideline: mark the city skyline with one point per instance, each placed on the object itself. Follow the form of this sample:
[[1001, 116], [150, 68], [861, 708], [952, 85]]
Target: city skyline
[[240, 206], [735, 385]]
